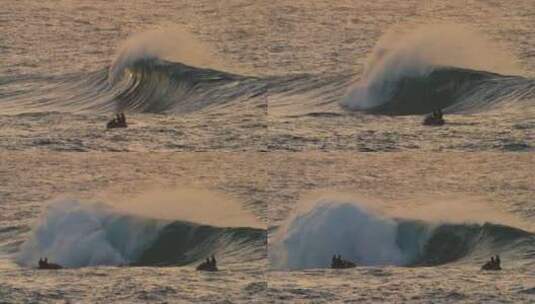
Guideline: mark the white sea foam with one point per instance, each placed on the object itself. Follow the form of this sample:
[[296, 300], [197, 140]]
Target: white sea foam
[[171, 43], [416, 52], [76, 234], [310, 239]]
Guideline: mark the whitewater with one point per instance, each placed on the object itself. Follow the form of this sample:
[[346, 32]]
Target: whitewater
[[272, 134], [167, 81], [415, 237], [129, 237]]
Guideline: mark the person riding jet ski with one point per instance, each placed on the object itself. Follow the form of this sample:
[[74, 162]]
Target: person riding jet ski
[[44, 264], [209, 265], [118, 122], [493, 264], [338, 263]]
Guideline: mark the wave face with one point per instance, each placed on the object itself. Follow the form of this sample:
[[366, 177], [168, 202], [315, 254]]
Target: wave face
[[158, 86], [148, 85], [456, 90], [311, 239], [76, 235], [418, 70]]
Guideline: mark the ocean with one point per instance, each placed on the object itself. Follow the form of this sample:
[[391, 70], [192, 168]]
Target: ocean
[[273, 135]]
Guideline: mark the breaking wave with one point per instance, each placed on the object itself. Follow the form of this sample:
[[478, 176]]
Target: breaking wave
[[457, 90], [309, 240], [439, 66], [148, 85], [76, 234], [428, 69], [157, 71]]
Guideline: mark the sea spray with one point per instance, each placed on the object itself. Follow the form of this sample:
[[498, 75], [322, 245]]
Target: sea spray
[[310, 239], [171, 43], [76, 234], [164, 70], [193, 205], [415, 55], [330, 227]]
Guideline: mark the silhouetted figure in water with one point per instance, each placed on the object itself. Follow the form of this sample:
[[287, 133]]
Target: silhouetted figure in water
[[213, 261], [44, 264], [118, 122], [338, 263], [122, 119], [437, 114], [435, 119], [208, 265], [493, 264]]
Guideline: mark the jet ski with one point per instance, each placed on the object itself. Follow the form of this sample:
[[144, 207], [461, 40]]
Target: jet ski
[[491, 266], [44, 264], [433, 121], [344, 264], [207, 267], [339, 263], [118, 122]]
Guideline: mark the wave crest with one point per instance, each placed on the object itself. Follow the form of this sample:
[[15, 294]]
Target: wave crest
[[76, 234], [309, 240], [436, 67], [171, 43]]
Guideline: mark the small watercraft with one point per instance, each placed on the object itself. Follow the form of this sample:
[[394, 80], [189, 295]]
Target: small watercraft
[[207, 267], [44, 264], [433, 121]]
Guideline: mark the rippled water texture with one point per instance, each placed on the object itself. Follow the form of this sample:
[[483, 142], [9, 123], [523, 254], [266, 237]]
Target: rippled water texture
[[269, 105]]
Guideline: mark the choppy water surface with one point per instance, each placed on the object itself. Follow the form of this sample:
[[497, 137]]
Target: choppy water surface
[[106, 219], [344, 87], [419, 225], [289, 77]]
